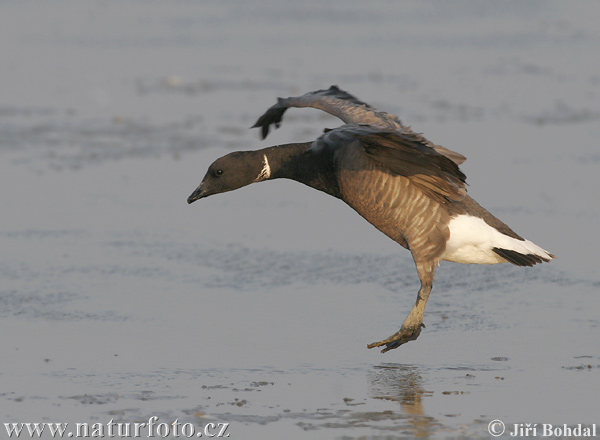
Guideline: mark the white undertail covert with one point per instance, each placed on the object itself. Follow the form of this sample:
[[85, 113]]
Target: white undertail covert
[[472, 240]]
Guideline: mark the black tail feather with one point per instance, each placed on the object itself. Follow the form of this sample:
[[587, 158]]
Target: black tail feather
[[519, 259]]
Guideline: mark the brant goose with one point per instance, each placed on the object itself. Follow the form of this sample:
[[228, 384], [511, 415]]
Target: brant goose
[[407, 187]]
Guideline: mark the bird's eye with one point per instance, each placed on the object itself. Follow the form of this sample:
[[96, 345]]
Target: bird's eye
[[218, 172]]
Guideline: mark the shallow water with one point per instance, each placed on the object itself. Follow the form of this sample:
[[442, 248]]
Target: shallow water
[[121, 302]]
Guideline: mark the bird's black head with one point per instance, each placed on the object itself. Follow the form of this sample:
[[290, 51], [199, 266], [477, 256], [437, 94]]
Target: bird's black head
[[232, 171]]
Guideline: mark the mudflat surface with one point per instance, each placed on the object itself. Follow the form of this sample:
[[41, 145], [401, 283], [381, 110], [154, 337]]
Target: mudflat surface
[[120, 302]]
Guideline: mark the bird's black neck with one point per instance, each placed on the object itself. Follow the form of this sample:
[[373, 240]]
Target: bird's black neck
[[298, 162]]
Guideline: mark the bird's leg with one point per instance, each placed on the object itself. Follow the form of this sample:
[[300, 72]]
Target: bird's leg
[[411, 327]]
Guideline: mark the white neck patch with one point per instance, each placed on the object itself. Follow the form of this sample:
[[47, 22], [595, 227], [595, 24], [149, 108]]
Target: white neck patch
[[265, 173]]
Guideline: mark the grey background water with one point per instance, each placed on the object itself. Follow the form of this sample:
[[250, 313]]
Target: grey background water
[[119, 301]]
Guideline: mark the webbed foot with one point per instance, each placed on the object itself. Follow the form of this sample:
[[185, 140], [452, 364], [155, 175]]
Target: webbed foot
[[402, 336]]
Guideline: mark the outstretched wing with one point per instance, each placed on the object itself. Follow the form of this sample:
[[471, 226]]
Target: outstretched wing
[[349, 109], [404, 154], [334, 101]]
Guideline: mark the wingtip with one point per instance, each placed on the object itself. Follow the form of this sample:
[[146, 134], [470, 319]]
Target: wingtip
[[264, 128]]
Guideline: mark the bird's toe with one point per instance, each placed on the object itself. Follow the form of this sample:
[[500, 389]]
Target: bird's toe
[[402, 336]]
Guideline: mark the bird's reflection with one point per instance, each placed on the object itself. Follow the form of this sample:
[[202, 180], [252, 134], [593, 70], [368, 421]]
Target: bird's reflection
[[403, 384]]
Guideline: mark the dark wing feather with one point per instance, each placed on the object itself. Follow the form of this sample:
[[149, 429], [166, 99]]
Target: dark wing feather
[[338, 93], [274, 115], [404, 154], [349, 109]]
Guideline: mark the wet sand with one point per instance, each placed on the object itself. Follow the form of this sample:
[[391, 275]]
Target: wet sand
[[254, 308]]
